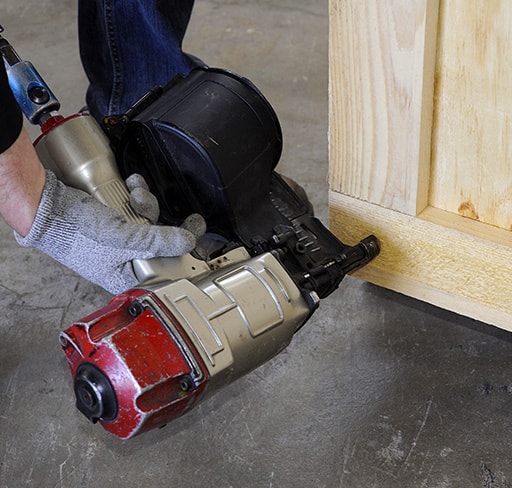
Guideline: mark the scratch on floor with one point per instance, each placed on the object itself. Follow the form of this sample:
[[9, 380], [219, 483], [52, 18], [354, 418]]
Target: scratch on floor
[[348, 452], [231, 422], [422, 426], [11, 389], [249, 432], [11, 291], [65, 309], [61, 465], [204, 429]]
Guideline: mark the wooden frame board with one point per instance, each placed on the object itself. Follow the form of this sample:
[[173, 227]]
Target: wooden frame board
[[438, 257]]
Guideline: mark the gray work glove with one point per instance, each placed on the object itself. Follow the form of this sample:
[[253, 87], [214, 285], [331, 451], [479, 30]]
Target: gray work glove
[[145, 204], [141, 199], [93, 240]]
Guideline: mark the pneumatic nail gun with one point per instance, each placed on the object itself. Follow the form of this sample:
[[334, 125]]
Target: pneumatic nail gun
[[208, 142]]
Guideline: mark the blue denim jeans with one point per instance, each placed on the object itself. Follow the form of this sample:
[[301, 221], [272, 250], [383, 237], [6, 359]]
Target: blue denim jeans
[[129, 46]]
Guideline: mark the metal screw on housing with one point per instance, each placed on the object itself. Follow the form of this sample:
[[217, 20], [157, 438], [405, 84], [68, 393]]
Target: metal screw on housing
[[39, 95], [135, 308], [186, 383]]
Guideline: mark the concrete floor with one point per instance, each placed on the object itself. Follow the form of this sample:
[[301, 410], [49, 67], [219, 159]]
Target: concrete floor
[[378, 390]]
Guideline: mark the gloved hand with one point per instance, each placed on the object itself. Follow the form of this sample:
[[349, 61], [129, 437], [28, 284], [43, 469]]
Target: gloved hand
[[146, 204], [93, 240]]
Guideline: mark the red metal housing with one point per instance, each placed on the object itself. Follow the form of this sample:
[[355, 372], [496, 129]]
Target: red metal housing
[[151, 373]]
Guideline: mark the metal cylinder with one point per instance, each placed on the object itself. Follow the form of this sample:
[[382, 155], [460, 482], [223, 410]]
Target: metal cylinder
[[79, 153]]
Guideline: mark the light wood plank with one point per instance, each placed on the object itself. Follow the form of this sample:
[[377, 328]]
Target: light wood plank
[[382, 62], [472, 137], [441, 258]]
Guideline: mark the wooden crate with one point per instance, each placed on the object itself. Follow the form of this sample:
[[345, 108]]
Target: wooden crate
[[420, 143]]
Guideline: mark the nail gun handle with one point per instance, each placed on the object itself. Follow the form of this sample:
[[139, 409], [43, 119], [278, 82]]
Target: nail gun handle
[[78, 152]]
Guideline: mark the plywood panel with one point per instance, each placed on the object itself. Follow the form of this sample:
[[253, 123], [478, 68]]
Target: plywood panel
[[411, 177], [472, 137], [382, 59]]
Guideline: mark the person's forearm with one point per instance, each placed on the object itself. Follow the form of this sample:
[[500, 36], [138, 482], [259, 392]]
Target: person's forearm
[[22, 179]]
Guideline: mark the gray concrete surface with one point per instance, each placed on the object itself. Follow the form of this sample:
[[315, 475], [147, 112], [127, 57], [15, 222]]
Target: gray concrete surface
[[378, 390]]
